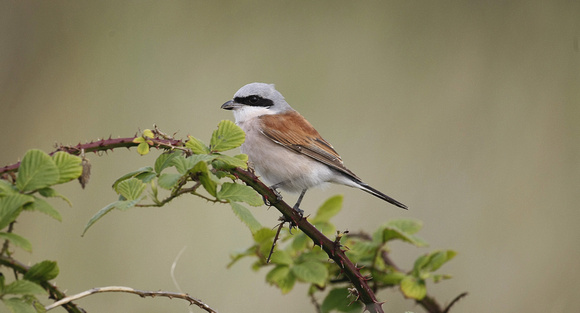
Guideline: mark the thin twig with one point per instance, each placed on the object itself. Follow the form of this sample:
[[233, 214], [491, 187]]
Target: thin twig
[[141, 293], [275, 240]]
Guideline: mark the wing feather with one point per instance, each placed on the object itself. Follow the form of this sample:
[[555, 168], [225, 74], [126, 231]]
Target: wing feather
[[292, 131]]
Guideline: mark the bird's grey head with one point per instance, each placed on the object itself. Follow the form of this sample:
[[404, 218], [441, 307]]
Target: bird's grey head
[[257, 99]]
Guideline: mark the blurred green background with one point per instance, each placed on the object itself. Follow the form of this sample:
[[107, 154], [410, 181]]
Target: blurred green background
[[466, 111]]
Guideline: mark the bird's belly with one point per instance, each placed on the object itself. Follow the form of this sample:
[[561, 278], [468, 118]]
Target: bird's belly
[[293, 172]]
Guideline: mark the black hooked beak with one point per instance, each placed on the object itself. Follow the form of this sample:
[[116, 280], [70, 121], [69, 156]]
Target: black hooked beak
[[230, 105]]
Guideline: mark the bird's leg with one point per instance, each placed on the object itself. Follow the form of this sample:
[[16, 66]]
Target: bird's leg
[[276, 192], [297, 205]]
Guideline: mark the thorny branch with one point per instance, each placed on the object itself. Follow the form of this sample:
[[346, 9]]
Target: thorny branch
[[334, 250], [141, 293]]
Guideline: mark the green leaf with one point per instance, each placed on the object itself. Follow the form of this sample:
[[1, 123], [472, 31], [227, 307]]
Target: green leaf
[[51, 193], [328, 209], [11, 206], [23, 287], [439, 277], [316, 254], [282, 277], [17, 305], [312, 272], [196, 146], [69, 166], [433, 261], [37, 170], [121, 205], [300, 242], [393, 278], [408, 226], [281, 257], [184, 165], [98, 216], [143, 148], [328, 229], [202, 172], [131, 188], [362, 250], [413, 288], [165, 160], [228, 136], [439, 258], [17, 240], [147, 133], [232, 162], [341, 300], [392, 231], [42, 271], [239, 193], [6, 188], [264, 234], [43, 206], [144, 174], [168, 180], [246, 217]]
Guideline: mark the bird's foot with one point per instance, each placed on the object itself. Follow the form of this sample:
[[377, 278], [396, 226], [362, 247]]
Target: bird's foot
[[276, 192]]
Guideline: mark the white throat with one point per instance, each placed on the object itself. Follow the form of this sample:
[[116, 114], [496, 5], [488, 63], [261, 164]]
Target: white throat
[[246, 113]]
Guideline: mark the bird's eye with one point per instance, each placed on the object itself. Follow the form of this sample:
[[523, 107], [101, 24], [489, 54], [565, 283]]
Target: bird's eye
[[253, 99]]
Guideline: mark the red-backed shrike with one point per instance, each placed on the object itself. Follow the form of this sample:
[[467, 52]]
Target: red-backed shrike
[[284, 148]]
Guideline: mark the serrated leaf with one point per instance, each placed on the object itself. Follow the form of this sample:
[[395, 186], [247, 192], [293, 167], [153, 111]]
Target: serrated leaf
[[239, 193], [43, 206], [131, 188], [228, 136], [69, 166], [142, 172], [168, 180], [282, 277], [184, 165], [203, 174], [37, 170], [413, 288], [232, 161], [281, 257], [42, 271], [246, 217], [23, 287], [18, 241], [312, 272], [11, 206], [17, 305], [341, 300], [196, 146], [165, 160], [328, 209]]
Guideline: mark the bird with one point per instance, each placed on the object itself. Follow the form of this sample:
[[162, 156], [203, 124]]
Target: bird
[[285, 149]]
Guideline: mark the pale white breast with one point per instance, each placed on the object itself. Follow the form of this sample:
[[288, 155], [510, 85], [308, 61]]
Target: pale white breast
[[276, 164]]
